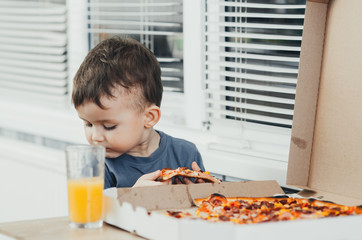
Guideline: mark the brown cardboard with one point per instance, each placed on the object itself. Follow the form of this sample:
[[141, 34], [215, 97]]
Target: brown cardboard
[[140, 210], [156, 197], [236, 189], [325, 146], [157, 225], [181, 196], [327, 196]]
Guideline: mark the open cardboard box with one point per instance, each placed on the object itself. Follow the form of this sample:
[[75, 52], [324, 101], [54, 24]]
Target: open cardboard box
[[140, 210], [325, 153], [325, 147]]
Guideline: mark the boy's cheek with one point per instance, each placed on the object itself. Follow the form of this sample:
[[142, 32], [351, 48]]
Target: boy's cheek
[[88, 135]]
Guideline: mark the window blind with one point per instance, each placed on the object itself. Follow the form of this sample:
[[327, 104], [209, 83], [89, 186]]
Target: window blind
[[33, 41], [251, 67], [251, 60], [155, 23]]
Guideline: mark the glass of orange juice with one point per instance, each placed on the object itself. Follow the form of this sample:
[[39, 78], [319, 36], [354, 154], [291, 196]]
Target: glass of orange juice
[[85, 177]]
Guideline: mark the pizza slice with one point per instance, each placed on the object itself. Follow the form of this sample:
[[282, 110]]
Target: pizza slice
[[168, 173]]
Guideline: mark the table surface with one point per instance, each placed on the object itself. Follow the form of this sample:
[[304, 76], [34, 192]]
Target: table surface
[[58, 228]]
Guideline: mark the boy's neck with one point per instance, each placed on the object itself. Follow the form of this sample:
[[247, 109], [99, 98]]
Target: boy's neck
[[154, 143], [149, 146]]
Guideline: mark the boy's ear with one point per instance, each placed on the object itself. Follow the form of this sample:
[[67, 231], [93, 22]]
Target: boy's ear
[[152, 116]]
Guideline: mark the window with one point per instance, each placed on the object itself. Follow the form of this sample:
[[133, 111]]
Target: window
[[157, 24], [34, 72], [229, 68], [33, 60], [254, 49], [251, 67]]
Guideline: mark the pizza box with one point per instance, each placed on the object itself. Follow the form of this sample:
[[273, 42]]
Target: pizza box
[[141, 210], [324, 150]]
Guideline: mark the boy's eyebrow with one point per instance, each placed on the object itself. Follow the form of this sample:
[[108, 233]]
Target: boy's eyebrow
[[103, 120]]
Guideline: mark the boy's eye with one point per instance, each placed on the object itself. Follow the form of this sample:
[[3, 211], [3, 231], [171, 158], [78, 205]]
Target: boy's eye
[[88, 124], [109, 127]]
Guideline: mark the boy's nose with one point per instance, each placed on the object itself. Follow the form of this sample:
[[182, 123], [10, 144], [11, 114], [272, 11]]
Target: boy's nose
[[97, 135]]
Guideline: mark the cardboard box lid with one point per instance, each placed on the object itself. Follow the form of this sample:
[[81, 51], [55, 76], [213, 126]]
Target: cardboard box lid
[[325, 151], [182, 196]]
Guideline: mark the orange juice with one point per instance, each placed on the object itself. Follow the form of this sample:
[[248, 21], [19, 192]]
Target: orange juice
[[85, 198]]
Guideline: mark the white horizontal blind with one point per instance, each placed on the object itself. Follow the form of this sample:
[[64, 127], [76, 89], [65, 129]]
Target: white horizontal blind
[[251, 66], [155, 23], [252, 57], [33, 41]]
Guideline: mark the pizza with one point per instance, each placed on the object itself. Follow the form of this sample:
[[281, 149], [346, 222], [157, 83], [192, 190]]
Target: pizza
[[168, 173], [247, 210]]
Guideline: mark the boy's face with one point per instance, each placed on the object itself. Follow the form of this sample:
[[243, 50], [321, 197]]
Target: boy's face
[[117, 127]]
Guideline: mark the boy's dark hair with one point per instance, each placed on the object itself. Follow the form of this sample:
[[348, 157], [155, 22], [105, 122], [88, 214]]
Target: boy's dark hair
[[118, 62]]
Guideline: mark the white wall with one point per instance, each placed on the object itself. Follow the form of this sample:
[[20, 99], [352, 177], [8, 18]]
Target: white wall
[[33, 182]]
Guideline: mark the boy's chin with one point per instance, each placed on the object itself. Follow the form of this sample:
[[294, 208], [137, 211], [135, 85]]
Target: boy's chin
[[112, 155]]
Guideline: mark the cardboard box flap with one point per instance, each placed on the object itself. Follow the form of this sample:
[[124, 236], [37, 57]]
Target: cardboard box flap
[[306, 94], [326, 196], [236, 189], [181, 196], [156, 197], [325, 147]]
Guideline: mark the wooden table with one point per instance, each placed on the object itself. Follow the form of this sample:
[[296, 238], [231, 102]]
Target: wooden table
[[58, 229]]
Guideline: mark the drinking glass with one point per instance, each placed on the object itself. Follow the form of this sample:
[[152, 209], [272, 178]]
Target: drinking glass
[[85, 178]]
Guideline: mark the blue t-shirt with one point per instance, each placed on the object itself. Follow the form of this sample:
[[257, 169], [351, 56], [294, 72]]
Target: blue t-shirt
[[125, 170]]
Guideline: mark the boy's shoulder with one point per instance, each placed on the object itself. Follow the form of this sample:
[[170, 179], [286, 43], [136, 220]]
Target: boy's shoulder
[[171, 141], [178, 151]]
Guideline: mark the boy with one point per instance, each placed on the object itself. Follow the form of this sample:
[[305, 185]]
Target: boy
[[117, 93]]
